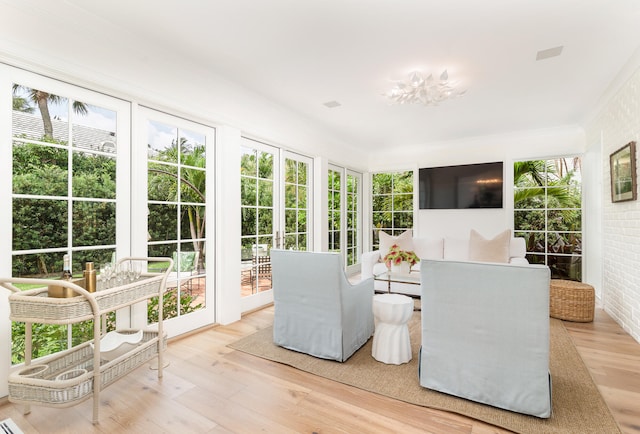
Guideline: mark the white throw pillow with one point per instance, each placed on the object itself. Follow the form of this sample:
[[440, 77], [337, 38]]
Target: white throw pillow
[[495, 249], [404, 241], [428, 248], [456, 249]]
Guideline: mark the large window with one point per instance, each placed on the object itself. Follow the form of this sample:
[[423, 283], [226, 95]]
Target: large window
[[297, 203], [344, 190], [548, 213], [65, 150], [334, 207], [258, 167], [275, 207], [354, 218], [178, 153], [392, 203]]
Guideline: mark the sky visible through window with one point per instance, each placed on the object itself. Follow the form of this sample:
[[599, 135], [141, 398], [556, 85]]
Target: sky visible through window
[[158, 135]]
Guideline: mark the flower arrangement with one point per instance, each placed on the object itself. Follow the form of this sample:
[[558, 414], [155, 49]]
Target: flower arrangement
[[397, 255]]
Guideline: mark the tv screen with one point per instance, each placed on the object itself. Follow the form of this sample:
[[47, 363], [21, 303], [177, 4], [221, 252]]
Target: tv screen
[[466, 186]]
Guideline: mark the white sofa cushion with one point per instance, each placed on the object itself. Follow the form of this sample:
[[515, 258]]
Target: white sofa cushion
[[404, 241], [456, 249], [428, 248], [495, 249], [518, 248]]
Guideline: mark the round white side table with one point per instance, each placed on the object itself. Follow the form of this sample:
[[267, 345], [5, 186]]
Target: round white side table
[[391, 343]]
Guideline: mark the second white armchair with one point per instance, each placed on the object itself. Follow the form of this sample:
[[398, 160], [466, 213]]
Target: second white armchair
[[317, 310]]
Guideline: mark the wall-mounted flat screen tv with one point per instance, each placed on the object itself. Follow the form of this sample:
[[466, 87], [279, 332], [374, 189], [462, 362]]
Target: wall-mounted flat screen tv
[[466, 186]]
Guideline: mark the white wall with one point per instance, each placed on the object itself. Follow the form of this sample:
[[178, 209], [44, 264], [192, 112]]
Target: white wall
[[616, 124]]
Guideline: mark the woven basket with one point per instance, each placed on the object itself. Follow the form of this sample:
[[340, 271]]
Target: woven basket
[[571, 301], [43, 389]]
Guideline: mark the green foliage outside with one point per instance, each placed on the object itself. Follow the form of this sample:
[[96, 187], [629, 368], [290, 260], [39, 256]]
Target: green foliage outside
[[170, 306], [334, 227], [256, 195], [256, 187], [392, 203], [352, 219], [40, 223], [334, 218], [50, 338], [547, 213], [295, 204]]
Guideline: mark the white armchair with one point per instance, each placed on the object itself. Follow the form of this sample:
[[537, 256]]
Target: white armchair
[[485, 333], [317, 310]]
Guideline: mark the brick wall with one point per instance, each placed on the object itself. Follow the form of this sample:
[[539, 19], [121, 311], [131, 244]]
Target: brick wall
[[617, 124]]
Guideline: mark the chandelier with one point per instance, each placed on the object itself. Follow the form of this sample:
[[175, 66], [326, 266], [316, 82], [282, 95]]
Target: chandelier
[[417, 89]]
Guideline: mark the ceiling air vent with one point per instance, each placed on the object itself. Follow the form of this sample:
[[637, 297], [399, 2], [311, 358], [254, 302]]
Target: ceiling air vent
[[549, 52], [332, 104]]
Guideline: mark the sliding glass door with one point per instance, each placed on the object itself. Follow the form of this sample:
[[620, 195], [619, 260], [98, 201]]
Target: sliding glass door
[[259, 166], [353, 218], [344, 214], [177, 194], [296, 224], [69, 186], [275, 209]]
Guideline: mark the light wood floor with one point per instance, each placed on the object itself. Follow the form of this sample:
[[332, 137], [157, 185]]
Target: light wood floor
[[209, 388]]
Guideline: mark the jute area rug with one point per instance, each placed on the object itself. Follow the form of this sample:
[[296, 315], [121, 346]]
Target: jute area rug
[[578, 406]]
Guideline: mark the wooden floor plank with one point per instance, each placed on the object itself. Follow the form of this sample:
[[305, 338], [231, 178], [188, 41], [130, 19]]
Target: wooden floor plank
[[210, 388], [613, 358]]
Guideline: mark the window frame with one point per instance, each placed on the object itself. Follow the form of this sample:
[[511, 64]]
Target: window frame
[[394, 229], [549, 232], [122, 133]]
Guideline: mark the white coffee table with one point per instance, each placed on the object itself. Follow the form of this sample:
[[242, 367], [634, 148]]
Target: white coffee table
[[391, 342]]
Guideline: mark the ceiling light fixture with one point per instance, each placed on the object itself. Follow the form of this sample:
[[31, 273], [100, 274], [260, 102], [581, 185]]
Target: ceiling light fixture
[[418, 89]]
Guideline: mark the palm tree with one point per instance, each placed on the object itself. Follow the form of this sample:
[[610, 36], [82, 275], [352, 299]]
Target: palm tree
[[42, 100], [549, 184], [529, 179], [192, 184], [20, 104]]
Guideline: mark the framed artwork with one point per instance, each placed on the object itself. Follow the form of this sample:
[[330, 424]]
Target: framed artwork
[[623, 173]]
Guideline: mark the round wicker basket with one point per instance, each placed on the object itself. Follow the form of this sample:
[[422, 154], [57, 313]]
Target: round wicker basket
[[571, 301]]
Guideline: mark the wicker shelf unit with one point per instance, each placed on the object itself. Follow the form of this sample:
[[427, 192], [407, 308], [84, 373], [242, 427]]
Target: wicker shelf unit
[[69, 377]]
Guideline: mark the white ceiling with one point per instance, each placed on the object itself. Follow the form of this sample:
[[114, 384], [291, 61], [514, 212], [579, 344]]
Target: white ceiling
[[302, 54]]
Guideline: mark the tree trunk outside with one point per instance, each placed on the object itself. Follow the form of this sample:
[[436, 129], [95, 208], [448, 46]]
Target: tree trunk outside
[[43, 105]]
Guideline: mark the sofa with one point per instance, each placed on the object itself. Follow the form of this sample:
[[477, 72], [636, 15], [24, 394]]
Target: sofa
[[485, 333], [502, 248]]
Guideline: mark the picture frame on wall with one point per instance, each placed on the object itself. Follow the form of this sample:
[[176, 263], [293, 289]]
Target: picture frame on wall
[[623, 173]]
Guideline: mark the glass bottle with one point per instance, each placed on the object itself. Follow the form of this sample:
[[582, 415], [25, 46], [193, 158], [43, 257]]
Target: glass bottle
[[66, 268]]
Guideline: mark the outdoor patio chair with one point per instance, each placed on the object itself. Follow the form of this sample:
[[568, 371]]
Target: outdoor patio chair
[[185, 268], [261, 268]]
